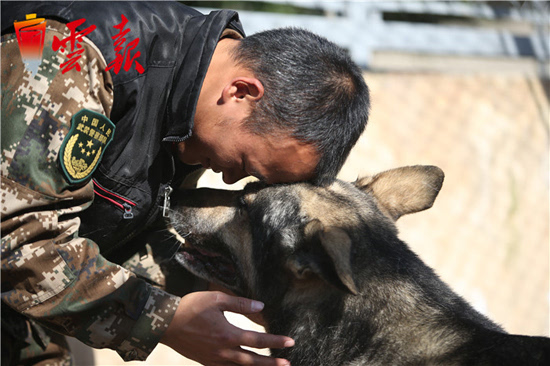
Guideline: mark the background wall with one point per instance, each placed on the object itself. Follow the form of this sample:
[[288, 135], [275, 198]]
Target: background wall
[[487, 234]]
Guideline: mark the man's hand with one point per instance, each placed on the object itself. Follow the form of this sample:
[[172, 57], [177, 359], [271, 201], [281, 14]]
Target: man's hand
[[200, 331]]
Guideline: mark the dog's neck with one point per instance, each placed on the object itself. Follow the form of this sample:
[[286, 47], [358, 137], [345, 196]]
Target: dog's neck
[[394, 314], [318, 334]]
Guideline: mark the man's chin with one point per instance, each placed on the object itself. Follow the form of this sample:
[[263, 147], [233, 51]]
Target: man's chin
[[229, 180]]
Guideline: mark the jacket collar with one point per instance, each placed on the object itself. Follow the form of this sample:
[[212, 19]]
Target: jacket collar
[[189, 74]]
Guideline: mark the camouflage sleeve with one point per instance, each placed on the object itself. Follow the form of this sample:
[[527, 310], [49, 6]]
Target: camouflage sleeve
[[49, 273]]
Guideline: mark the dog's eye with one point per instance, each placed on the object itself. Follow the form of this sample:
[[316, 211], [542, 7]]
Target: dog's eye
[[242, 205]]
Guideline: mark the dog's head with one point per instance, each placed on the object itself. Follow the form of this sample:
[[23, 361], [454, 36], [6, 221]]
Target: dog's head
[[264, 241]]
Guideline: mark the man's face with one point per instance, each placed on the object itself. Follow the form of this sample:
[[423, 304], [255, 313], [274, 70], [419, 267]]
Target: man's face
[[230, 148]]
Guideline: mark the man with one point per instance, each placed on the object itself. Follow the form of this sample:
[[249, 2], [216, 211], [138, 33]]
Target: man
[[89, 153]]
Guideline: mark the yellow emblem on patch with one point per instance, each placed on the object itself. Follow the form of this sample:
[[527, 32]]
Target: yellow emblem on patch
[[84, 145]]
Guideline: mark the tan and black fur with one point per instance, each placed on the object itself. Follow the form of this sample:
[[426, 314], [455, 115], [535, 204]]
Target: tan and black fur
[[334, 275]]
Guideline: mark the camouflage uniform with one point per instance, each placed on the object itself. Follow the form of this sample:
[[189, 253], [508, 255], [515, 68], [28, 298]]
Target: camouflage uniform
[[50, 275]]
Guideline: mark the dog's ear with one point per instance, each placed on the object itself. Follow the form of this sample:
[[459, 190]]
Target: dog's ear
[[337, 244], [404, 190], [327, 254]]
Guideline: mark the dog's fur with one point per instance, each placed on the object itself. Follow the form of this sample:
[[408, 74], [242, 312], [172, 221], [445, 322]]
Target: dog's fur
[[334, 276]]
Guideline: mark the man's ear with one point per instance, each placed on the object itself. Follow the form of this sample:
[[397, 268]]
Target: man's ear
[[404, 190], [243, 88], [327, 255]]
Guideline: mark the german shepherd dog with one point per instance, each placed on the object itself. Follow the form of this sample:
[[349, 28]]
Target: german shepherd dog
[[333, 275]]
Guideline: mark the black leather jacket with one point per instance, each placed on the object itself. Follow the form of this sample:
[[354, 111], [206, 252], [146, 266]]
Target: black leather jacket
[[150, 109]]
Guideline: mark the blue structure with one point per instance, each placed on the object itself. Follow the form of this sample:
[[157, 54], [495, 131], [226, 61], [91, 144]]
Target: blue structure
[[469, 29]]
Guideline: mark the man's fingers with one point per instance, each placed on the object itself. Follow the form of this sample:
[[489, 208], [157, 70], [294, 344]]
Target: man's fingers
[[264, 340], [240, 337], [239, 305], [240, 356]]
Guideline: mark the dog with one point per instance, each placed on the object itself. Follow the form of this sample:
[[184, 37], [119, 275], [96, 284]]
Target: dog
[[333, 274]]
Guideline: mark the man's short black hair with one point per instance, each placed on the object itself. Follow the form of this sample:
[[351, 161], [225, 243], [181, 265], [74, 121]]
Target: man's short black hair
[[312, 90]]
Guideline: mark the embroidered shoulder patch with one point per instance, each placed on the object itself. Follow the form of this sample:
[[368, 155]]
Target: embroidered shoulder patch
[[84, 145]]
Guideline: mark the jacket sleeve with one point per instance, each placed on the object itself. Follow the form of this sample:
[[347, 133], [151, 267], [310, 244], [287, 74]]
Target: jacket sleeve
[[49, 273]]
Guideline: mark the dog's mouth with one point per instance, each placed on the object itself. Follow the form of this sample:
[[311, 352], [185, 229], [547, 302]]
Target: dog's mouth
[[207, 264], [210, 264]]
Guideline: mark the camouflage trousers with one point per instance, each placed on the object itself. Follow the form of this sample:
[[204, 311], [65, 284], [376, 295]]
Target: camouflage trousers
[[26, 343]]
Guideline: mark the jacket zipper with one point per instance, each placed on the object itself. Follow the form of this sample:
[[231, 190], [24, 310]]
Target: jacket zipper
[[123, 203], [152, 213], [166, 189], [166, 204]]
